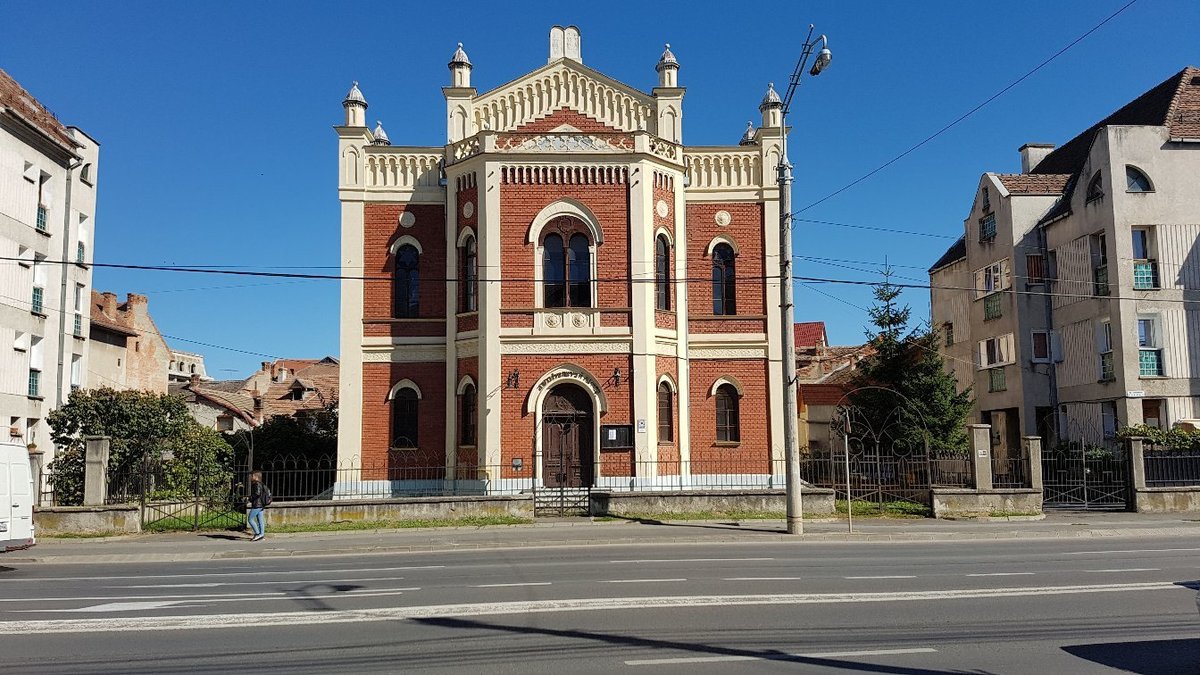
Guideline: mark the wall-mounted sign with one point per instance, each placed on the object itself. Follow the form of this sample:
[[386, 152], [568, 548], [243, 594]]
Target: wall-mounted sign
[[641, 426], [1135, 394]]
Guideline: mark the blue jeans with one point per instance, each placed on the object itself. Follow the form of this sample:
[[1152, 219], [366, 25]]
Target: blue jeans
[[257, 524]]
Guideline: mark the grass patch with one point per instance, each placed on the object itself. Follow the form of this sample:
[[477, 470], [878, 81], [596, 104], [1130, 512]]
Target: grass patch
[[897, 509], [82, 535], [1010, 514], [700, 515], [359, 525]]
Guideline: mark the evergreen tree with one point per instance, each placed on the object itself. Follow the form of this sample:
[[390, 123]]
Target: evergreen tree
[[903, 388]]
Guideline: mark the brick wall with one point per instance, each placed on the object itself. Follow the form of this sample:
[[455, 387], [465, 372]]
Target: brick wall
[[668, 452], [381, 229], [754, 451], [746, 230], [378, 379], [566, 116]]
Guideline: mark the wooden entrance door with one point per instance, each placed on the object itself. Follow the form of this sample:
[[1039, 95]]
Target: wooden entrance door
[[567, 437]]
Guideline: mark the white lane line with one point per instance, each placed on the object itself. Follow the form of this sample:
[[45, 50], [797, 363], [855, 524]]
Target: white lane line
[[761, 579], [199, 601], [215, 584], [811, 655], [1129, 569], [208, 597], [1003, 574], [526, 583], [242, 620], [679, 560], [886, 576], [1136, 550], [637, 581], [228, 574]]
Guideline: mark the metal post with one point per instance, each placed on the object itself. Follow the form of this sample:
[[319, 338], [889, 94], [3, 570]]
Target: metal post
[[795, 505], [849, 496]]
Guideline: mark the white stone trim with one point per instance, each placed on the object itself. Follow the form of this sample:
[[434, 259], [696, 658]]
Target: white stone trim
[[468, 231], [722, 239], [728, 353], [726, 379], [462, 384], [404, 384], [565, 206], [567, 372], [660, 230], [556, 347], [405, 239], [666, 378], [406, 354]]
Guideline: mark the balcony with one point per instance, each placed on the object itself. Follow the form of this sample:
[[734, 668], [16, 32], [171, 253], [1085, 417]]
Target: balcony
[[1100, 279], [1145, 275], [992, 309], [1107, 373], [996, 380], [1150, 363]]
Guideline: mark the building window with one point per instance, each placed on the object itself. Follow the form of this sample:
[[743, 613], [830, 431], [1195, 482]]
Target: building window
[[1137, 181], [35, 382], [1145, 267], [1152, 413], [77, 329], [987, 199], [1108, 418], [1104, 348], [1099, 264], [728, 423], [724, 281], [469, 257], [36, 300], [1094, 188], [224, 423], [1041, 346], [407, 280], [1150, 356], [993, 278], [996, 351], [996, 380], [404, 419], [41, 219], [948, 327], [992, 307], [1035, 268], [987, 228], [666, 413], [81, 253], [467, 418], [567, 270], [76, 371], [662, 273]]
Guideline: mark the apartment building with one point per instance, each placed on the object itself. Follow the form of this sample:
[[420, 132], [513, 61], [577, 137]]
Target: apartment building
[[1071, 303], [47, 208]]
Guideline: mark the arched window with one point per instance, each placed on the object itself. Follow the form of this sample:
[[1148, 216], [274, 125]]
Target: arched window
[[666, 413], [404, 419], [1094, 189], [466, 415], [1137, 181], [662, 273], [406, 292], [728, 425], [566, 270], [724, 283], [469, 258]]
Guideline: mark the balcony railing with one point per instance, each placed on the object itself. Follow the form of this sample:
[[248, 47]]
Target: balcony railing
[[997, 380], [1150, 363], [1107, 374], [1100, 277], [1145, 275], [992, 309]]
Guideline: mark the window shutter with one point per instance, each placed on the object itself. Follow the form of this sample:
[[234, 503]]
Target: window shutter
[[1056, 348], [981, 361], [979, 283], [1006, 348], [1005, 274]]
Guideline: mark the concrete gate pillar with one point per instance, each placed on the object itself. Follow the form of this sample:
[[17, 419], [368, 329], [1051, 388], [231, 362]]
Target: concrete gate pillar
[[95, 470], [36, 466], [1033, 455], [981, 454]]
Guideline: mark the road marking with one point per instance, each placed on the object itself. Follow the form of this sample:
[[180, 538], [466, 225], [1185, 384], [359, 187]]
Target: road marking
[[1002, 574], [761, 579], [1131, 569], [215, 597], [242, 620], [679, 560], [228, 574], [259, 583], [892, 576], [1136, 550], [526, 583], [637, 581], [784, 657], [125, 606]]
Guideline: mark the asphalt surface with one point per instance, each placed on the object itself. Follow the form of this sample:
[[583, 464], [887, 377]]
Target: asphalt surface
[[1062, 605]]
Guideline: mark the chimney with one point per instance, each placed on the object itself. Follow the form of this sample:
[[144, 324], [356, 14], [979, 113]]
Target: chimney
[[109, 304], [195, 380], [135, 304], [1032, 154], [266, 366]]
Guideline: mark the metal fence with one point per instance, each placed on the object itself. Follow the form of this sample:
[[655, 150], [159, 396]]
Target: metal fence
[[1011, 472], [951, 469], [1171, 467]]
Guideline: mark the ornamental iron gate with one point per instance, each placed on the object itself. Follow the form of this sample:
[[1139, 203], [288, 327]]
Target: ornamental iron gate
[[567, 463], [1088, 469], [179, 495]]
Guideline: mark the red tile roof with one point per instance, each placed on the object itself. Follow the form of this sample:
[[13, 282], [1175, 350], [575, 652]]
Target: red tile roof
[[810, 334], [19, 102], [1034, 183], [321, 378]]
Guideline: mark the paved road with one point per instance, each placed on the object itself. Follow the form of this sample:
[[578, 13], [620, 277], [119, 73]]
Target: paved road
[[1036, 606]]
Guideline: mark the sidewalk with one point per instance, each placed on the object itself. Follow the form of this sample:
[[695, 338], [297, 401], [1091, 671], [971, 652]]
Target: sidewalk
[[582, 532]]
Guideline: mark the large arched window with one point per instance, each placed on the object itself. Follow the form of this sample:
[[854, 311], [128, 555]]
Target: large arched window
[[469, 259], [466, 415], [566, 270], [406, 291], [728, 423], [404, 418], [1137, 181], [724, 282], [662, 273], [666, 413]]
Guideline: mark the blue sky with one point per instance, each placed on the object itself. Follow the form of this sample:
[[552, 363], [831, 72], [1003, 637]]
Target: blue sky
[[215, 123]]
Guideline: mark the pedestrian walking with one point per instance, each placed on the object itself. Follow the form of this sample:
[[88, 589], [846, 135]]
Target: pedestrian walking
[[260, 498]]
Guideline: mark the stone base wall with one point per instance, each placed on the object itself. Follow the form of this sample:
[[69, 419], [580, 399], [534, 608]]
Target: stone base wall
[[816, 501], [1167, 500], [959, 501], [119, 519], [416, 508]]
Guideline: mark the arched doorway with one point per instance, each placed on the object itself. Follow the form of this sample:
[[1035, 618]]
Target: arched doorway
[[567, 453]]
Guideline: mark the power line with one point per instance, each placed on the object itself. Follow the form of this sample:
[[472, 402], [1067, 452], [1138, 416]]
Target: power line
[[970, 112], [873, 228]]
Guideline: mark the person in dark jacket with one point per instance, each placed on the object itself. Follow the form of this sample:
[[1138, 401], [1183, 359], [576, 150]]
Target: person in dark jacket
[[257, 502]]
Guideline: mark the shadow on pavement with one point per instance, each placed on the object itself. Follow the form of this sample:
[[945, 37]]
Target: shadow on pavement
[[225, 536], [705, 650], [709, 525], [1145, 658]]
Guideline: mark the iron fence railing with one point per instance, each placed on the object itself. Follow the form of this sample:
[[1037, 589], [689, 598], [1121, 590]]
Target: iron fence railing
[[1171, 467], [951, 469], [1011, 472]]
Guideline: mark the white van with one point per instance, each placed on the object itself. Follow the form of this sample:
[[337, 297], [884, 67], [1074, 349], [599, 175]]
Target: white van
[[16, 498]]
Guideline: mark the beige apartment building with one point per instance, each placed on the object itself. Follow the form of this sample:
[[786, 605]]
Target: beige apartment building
[[1071, 303], [47, 207]]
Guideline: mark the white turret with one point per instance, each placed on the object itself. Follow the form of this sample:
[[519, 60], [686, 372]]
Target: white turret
[[381, 137], [668, 69], [460, 68], [356, 107], [748, 137], [771, 108]]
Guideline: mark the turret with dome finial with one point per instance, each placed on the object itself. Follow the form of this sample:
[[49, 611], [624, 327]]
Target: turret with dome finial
[[356, 107], [460, 68], [748, 137], [380, 136], [771, 107], [668, 69]]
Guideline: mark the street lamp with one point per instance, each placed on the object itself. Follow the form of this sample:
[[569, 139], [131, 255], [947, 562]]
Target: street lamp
[[795, 508]]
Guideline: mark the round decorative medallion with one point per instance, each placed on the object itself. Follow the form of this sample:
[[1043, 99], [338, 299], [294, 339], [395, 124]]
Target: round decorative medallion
[[579, 320], [552, 321], [407, 219], [722, 218], [468, 209], [662, 209]]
